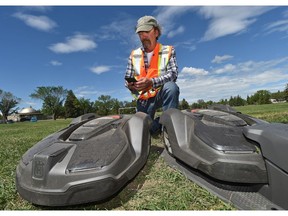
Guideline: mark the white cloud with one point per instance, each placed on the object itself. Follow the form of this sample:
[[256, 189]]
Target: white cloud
[[221, 59], [90, 92], [277, 26], [55, 63], [167, 16], [223, 20], [177, 31], [42, 23], [121, 27], [229, 20], [42, 9], [76, 43], [100, 69], [85, 91], [193, 71], [189, 44], [122, 30], [244, 78], [285, 13], [226, 69]]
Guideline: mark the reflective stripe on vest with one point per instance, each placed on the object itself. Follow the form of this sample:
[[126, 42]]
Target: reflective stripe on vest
[[157, 67]]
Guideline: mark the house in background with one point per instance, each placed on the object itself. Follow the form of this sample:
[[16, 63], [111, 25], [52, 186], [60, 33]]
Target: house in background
[[26, 114], [277, 101]]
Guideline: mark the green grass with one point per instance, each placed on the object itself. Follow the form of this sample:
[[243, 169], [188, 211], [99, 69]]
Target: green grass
[[156, 187], [15, 139], [268, 112]]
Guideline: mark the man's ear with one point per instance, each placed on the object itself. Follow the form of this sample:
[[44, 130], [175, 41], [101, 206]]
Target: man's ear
[[156, 32]]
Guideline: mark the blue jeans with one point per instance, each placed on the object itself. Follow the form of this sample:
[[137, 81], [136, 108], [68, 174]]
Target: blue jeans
[[167, 97]]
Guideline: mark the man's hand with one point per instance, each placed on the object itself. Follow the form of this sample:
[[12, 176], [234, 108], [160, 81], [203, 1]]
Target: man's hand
[[142, 84], [131, 86]]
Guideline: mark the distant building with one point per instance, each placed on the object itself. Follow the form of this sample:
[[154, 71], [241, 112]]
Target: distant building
[[273, 100], [277, 101], [25, 115]]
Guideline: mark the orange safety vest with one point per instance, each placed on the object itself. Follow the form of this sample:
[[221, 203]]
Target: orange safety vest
[[157, 67]]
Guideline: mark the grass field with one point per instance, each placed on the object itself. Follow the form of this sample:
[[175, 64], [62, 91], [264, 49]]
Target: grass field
[[156, 187], [268, 112]]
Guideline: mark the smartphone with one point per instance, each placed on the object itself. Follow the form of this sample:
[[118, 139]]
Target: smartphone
[[130, 79]]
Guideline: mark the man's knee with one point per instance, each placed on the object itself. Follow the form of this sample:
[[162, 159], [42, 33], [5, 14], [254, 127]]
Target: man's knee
[[170, 95], [171, 89]]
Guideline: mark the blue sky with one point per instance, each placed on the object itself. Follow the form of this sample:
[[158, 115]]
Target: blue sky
[[222, 51]]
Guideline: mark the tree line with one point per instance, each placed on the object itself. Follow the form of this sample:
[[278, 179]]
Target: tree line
[[258, 98], [62, 103]]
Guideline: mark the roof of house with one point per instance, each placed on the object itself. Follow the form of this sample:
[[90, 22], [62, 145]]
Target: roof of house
[[27, 110]]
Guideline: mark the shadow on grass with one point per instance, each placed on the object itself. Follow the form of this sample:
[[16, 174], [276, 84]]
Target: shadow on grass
[[129, 190]]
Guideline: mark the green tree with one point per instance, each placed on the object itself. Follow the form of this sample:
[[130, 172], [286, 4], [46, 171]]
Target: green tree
[[115, 105], [223, 101], [237, 101], [71, 105], [286, 92], [279, 95], [249, 100], [133, 103], [209, 103], [202, 104], [127, 107], [261, 97], [7, 102], [105, 105], [184, 105], [85, 106], [52, 97]]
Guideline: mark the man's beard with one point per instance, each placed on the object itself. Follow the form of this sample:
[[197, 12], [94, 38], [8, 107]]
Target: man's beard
[[146, 43]]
